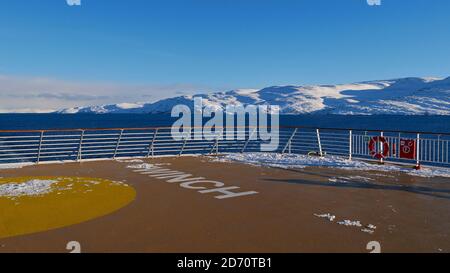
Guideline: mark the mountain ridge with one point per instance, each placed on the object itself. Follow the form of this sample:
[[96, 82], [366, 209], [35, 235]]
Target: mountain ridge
[[403, 96]]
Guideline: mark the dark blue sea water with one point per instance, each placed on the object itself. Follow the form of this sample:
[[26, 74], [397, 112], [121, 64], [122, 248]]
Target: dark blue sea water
[[438, 124]]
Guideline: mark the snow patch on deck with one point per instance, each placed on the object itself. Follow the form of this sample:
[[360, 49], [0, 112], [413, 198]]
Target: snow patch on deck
[[350, 223], [327, 216], [14, 165], [30, 188], [370, 229], [291, 161]]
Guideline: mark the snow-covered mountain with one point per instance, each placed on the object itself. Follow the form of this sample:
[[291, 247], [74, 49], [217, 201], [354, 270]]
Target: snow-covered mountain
[[406, 96]]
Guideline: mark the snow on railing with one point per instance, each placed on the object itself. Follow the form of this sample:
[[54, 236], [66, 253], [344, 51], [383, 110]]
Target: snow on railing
[[83, 144]]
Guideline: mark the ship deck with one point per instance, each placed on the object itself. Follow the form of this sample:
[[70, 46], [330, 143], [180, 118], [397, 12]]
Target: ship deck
[[265, 209]]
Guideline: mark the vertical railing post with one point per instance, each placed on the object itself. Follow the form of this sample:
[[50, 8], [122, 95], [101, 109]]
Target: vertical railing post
[[215, 147], [151, 147], [217, 141], [79, 157], [350, 145], [438, 159], [319, 143], [418, 152], [248, 140], [222, 131], [118, 144], [288, 144], [381, 147], [185, 141], [40, 147]]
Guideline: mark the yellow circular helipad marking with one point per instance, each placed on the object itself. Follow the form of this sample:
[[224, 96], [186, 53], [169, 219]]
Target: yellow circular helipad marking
[[35, 204]]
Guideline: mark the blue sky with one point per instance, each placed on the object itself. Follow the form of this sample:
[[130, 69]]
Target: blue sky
[[168, 47]]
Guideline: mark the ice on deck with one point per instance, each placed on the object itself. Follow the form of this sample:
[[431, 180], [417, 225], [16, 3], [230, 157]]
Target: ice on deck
[[302, 161], [30, 188]]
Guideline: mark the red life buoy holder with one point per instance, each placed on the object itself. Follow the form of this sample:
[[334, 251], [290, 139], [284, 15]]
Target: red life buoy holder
[[373, 147]]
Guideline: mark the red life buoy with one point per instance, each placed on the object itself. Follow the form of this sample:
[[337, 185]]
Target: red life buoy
[[373, 147]]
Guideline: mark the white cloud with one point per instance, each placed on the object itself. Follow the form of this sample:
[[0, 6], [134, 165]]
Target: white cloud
[[73, 2], [41, 94]]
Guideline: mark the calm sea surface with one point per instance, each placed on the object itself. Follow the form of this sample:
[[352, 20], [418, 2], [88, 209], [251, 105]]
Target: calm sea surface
[[438, 124]]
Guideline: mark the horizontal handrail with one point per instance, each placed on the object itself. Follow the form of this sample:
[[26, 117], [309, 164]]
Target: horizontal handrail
[[223, 127]]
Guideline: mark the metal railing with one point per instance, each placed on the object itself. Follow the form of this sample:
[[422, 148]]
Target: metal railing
[[83, 144]]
